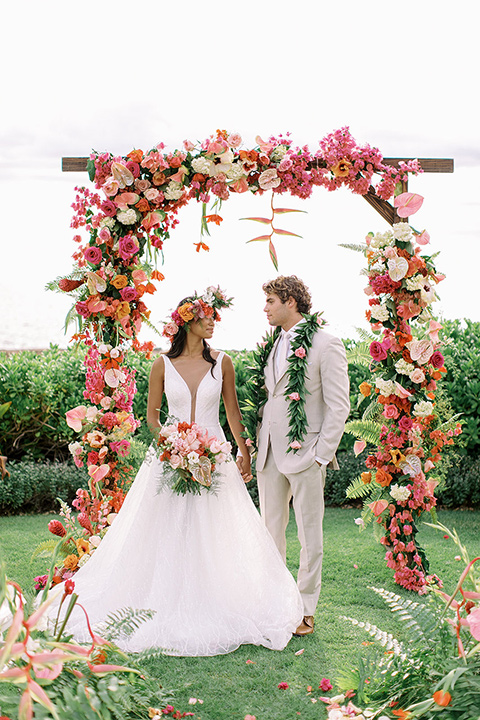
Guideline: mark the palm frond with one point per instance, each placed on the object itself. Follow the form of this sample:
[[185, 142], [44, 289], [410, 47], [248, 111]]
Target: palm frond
[[367, 430]]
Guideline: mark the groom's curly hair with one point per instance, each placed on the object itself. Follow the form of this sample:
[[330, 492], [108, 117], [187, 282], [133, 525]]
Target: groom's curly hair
[[290, 286]]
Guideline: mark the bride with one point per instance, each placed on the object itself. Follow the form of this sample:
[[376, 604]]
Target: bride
[[205, 564]]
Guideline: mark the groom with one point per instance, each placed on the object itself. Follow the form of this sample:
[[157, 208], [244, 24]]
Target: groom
[[284, 471]]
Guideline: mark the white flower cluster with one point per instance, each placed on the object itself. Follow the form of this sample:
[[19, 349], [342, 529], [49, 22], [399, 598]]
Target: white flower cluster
[[403, 232], [415, 283], [107, 222], [400, 494], [380, 312], [423, 409], [378, 267], [202, 165], [386, 387], [278, 153], [381, 240], [174, 190], [403, 367], [236, 171], [127, 217]]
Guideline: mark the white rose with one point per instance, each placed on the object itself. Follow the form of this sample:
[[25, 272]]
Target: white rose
[[108, 222], [423, 409], [386, 387], [399, 493]]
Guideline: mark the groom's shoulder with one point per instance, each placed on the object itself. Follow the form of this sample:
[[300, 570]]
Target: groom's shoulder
[[323, 338]]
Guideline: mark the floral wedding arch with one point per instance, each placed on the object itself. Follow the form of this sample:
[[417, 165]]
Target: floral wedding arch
[[116, 267]]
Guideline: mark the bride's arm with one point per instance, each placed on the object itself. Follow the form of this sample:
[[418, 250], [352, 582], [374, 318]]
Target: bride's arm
[[234, 417], [155, 393]]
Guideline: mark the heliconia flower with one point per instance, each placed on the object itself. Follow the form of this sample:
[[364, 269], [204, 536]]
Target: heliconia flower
[[75, 416]]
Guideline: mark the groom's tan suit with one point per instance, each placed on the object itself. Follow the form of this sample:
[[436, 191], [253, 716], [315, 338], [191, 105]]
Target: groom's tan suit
[[301, 474]]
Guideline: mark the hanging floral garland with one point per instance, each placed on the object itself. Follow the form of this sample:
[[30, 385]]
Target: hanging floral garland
[[116, 266], [402, 419]]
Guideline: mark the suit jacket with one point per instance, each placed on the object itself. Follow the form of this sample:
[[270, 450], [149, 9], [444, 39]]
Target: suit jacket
[[327, 406]]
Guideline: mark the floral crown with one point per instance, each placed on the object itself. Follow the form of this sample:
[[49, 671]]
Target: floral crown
[[196, 308]]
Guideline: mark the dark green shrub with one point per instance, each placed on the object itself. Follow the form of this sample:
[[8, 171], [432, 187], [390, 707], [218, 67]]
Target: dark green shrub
[[462, 382], [34, 487], [461, 486], [42, 387]]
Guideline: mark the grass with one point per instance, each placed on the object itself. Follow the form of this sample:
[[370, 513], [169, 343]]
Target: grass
[[231, 687]]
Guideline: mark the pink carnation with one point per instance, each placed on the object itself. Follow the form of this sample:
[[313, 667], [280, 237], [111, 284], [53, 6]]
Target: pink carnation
[[300, 352]]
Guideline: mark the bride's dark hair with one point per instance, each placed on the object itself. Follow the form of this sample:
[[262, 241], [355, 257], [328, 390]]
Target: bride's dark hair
[[180, 338]]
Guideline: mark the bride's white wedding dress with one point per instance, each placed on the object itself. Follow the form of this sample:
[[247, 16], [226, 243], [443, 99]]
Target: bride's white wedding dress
[[204, 563]]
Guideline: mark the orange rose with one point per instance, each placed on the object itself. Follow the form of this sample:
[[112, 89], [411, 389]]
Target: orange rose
[[70, 562], [184, 312], [365, 388], [136, 156], [143, 205], [383, 478], [119, 282], [123, 310], [159, 178], [366, 477]]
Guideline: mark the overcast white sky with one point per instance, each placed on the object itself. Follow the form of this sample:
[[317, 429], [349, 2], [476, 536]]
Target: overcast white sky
[[116, 75]]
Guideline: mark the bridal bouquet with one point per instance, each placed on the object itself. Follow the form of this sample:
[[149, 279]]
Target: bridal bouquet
[[190, 456]]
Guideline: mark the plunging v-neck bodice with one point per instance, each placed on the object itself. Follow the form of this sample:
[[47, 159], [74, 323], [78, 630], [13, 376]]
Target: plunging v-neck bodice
[[203, 405]]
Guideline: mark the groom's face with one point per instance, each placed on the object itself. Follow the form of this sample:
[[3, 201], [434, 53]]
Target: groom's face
[[278, 313]]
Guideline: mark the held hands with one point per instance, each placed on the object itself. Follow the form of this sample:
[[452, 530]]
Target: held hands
[[244, 467]]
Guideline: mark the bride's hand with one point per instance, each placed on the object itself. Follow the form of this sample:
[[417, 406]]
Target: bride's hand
[[244, 467]]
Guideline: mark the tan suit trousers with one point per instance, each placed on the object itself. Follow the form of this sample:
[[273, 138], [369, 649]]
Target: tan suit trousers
[[275, 491]]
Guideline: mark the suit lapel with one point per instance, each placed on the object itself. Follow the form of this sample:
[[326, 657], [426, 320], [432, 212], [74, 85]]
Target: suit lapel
[[269, 368]]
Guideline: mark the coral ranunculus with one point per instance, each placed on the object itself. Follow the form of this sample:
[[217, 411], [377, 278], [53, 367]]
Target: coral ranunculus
[[383, 478]]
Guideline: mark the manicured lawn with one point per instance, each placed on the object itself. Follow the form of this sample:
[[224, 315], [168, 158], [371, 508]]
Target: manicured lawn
[[231, 687]]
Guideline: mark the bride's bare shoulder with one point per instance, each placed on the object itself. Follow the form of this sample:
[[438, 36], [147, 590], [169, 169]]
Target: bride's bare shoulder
[[158, 365]]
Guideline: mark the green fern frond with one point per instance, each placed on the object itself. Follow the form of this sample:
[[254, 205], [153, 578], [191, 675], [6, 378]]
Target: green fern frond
[[365, 336], [359, 355], [364, 430], [356, 247], [358, 489], [151, 325], [372, 412], [386, 640], [417, 617], [124, 622]]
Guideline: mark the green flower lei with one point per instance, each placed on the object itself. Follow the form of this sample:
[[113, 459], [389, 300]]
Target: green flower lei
[[256, 394]]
